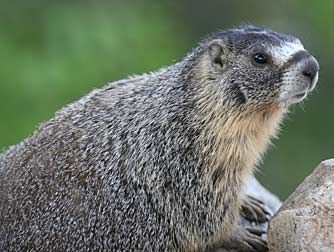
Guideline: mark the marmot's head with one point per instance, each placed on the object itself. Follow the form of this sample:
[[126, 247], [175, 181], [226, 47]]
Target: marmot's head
[[258, 66]]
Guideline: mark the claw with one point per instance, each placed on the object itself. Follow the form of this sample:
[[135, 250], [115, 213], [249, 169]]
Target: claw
[[254, 210], [245, 240], [255, 231]]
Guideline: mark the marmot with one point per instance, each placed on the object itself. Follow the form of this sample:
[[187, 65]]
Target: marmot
[[156, 162]]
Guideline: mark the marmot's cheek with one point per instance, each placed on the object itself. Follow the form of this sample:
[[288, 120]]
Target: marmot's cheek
[[293, 90]]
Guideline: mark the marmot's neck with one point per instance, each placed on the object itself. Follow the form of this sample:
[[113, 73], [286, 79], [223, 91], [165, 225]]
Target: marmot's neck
[[238, 139]]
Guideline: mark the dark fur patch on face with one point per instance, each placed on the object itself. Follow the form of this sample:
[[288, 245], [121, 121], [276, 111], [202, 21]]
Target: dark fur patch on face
[[239, 96]]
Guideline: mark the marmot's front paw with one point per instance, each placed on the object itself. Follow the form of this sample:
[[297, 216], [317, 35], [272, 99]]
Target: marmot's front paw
[[254, 210], [245, 240], [250, 240]]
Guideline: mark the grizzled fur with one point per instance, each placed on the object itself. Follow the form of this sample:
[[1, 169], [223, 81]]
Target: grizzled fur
[[152, 163]]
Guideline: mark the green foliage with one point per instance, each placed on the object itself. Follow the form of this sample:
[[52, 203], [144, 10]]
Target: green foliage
[[59, 55]]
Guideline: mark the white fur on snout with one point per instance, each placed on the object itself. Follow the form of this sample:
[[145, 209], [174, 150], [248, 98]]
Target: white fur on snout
[[295, 87], [292, 85], [281, 54]]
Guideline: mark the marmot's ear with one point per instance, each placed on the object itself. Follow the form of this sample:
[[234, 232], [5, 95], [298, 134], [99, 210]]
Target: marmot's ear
[[216, 50]]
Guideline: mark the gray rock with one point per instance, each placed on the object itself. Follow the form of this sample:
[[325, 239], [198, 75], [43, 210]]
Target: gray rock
[[305, 222]]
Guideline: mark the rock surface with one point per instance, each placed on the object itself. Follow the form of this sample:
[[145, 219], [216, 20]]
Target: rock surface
[[305, 222]]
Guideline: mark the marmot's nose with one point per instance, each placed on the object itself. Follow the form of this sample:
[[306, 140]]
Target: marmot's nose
[[310, 68]]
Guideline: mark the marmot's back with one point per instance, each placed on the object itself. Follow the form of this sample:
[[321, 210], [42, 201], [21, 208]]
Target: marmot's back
[[74, 185]]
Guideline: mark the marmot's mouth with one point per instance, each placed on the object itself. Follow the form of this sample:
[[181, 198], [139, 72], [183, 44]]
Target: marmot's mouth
[[300, 96]]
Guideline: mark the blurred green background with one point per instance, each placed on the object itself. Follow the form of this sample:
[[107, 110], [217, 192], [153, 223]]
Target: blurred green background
[[53, 52]]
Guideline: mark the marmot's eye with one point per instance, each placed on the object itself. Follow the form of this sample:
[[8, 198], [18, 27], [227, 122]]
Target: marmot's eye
[[261, 58]]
